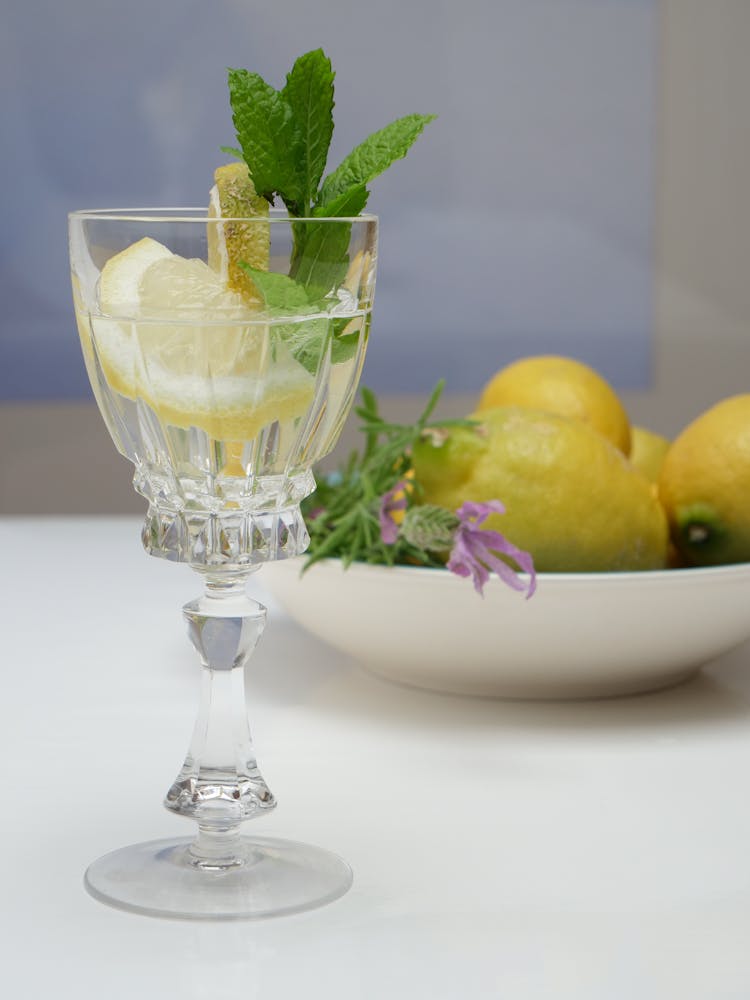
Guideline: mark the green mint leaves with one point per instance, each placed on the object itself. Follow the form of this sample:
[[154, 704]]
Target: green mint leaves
[[281, 294], [269, 137], [373, 156], [309, 93], [284, 136], [285, 298]]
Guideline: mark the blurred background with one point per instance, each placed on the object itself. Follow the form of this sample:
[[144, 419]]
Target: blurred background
[[583, 191]]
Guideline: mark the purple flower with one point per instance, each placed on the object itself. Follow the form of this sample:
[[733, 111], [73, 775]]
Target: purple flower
[[391, 504], [475, 549]]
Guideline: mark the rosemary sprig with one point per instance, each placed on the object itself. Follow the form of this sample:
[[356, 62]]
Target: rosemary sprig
[[343, 513]]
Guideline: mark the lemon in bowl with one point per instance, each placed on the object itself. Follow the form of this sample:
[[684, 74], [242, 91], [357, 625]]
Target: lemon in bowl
[[648, 451], [704, 485], [610, 615], [571, 497], [606, 619], [564, 386]]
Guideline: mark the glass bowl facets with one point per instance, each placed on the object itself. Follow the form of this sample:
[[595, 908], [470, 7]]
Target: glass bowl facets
[[222, 406]]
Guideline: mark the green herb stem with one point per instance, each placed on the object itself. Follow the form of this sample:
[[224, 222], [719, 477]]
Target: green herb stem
[[347, 504]]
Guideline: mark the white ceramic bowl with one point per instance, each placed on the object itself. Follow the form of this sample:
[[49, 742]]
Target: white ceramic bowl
[[581, 635]]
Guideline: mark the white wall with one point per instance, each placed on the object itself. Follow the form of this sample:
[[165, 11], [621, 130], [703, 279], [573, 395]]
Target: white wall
[[702, 210]]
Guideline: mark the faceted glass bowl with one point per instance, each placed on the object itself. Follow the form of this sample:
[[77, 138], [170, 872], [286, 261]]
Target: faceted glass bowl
[[223, 409]]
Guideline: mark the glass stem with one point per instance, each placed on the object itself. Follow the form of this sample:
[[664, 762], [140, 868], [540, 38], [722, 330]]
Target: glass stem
[[220, 784]]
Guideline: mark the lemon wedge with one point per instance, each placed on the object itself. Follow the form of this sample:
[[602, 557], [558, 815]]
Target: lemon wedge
[[233, 198]]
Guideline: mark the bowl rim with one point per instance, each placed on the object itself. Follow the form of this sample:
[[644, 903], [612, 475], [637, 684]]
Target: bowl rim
[[649, 578]]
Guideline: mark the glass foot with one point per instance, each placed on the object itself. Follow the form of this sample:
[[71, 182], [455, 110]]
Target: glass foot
[[267, 878]]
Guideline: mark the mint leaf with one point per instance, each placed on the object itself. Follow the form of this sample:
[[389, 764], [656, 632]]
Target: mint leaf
[[280, 292], [345, 344], [320, 249], [267, 132], [373, 156], [306, 340], [309, 93], [231, 151], [349, 203], [320, 255], [321, 260]]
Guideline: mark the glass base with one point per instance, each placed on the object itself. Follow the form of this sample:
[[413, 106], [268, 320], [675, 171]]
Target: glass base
[[269, 878]]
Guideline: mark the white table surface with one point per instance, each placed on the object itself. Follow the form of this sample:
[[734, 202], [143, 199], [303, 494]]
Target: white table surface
[[596, 851]]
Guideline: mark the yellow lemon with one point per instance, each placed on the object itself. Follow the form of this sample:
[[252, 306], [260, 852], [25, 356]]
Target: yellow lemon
[[647, 451], [561, 385], [572, 499], [705, 485]]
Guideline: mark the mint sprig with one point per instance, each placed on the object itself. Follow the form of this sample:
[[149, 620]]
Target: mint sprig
[[285, 135]]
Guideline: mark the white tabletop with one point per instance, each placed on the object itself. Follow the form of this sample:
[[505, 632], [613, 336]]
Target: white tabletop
[[596, 851]]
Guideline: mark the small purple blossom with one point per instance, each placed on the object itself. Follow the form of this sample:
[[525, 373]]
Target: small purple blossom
[[390, 503], [474, 550]]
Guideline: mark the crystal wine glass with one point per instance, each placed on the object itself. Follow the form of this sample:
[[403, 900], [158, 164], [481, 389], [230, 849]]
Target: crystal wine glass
[[222, 395]]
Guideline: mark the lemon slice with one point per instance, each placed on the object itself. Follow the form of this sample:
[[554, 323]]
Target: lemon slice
[[119, 296], [175, 336], [118, 283], [233, 198], [177, 288]]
